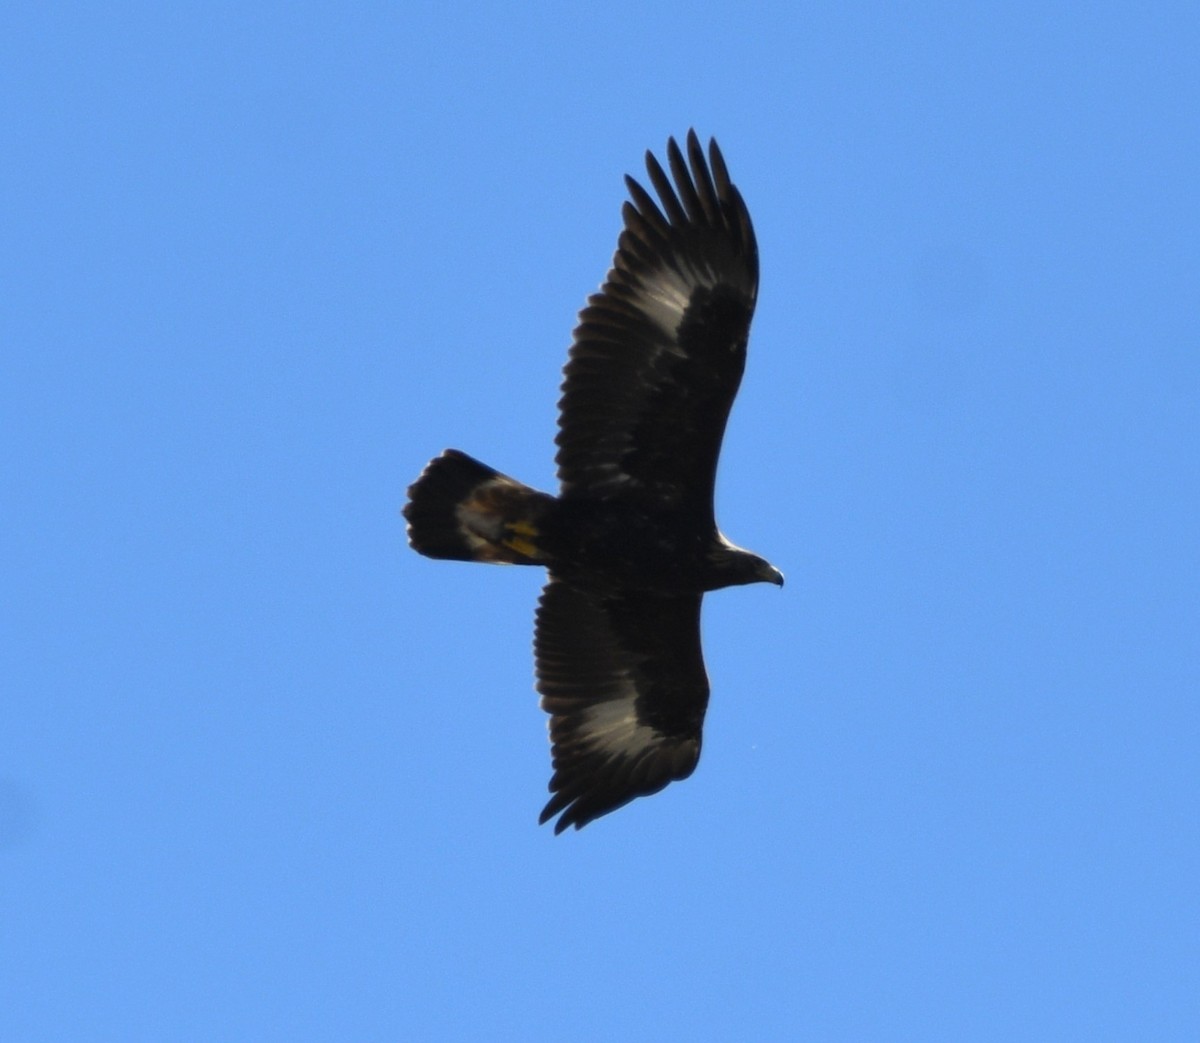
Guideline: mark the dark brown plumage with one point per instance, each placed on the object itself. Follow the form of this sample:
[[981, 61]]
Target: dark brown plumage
[[631, 543]]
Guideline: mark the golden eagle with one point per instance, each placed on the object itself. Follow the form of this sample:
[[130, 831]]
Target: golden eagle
[[630, 542]]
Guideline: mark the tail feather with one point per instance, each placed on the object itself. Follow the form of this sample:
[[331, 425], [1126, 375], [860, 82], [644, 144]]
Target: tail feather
[[463, 510]]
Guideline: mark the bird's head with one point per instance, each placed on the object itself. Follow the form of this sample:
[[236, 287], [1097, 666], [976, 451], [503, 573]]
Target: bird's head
[[732, 566]]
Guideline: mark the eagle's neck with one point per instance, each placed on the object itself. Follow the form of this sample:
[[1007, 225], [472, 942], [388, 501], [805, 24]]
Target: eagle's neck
[[732, 566]]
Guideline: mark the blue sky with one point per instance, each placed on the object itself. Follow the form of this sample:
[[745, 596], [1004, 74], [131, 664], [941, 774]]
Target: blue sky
[[267, 774]]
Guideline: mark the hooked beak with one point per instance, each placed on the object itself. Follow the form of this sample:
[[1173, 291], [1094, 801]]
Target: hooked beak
[[770, 574]]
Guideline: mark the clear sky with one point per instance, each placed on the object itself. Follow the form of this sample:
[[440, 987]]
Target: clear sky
[[267, 774]]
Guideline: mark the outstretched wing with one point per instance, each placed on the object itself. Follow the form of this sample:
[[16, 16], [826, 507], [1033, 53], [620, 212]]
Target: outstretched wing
[[658, 353], [624, 682]]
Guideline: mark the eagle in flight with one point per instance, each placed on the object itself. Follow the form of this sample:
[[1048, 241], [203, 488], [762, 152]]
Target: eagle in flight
[[630, 543]]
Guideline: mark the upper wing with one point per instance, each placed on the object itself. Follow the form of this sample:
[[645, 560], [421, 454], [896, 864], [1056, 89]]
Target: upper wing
[[658, 353], [624, 682]]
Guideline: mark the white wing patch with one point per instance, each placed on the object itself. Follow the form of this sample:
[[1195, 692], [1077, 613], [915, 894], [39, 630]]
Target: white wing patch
[[612, 727], [665, 294]]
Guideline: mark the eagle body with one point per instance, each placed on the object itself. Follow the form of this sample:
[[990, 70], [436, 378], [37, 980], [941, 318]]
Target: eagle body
[[616, 543], [630, 542], [604, 542]]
